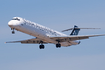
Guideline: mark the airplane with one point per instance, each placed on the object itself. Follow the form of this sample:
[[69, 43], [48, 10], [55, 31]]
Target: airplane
[[44, 35]]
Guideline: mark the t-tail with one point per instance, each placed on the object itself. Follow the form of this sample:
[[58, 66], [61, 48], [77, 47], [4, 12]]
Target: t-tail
[[75, 30]]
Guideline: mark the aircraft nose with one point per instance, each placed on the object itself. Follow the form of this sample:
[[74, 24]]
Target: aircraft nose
[[12, 24]]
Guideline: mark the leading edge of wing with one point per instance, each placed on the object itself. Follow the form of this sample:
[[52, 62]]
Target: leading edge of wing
[[91, 35], [77, 37], [19, 41], [95, 35], [34, 40]]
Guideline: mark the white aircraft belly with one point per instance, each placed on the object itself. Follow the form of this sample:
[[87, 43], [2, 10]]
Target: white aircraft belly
[[34, 32]]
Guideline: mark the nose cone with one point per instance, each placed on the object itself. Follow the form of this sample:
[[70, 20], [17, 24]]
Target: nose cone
[[10, 23], [13, 24]]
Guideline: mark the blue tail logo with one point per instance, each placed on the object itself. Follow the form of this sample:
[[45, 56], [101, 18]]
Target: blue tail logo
[[75, 30]]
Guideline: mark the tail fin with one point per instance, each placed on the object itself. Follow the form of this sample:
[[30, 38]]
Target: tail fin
[[76, 30]]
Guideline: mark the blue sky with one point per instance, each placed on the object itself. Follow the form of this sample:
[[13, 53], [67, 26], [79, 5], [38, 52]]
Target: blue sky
[[58, 15]]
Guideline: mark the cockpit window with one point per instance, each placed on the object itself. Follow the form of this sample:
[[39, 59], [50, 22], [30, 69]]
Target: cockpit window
[[16, 19]]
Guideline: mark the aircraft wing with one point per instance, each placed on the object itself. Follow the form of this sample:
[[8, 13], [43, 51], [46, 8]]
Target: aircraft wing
[[72, 38], [29, 41], [61, 39]]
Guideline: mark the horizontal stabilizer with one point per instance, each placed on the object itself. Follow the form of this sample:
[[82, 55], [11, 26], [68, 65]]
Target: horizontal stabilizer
[[76, 30]]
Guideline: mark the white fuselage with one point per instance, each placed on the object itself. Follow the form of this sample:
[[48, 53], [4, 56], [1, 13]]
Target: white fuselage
[[36, 30]]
